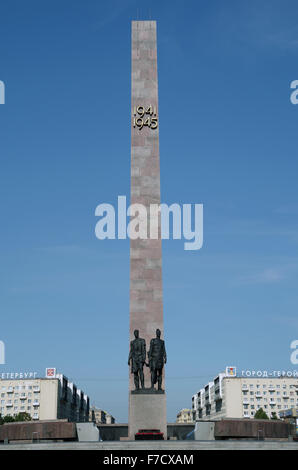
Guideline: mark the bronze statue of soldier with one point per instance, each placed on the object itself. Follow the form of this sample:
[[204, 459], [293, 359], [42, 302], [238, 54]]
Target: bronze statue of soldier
[[137, 358], [157, 358]]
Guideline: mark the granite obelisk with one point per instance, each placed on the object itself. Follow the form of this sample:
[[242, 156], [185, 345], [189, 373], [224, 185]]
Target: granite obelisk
[[147, 407]]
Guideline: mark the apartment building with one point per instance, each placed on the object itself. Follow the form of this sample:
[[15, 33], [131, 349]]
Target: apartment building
[[241, 397], [99, 416], [53, 397], [185, 416]]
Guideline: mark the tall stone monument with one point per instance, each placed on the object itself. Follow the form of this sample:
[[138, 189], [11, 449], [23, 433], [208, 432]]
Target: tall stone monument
[[147, 405]]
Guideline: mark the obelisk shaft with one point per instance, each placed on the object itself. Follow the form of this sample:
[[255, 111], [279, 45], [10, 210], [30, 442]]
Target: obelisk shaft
[[146, 300]]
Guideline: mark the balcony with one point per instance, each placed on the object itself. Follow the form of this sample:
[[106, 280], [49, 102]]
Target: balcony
[[271, 387], [23, 396], [10, 390], [36, 403], [8, 404], [244, 387]]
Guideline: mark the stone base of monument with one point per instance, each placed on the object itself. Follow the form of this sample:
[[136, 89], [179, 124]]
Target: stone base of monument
[[147, 410]]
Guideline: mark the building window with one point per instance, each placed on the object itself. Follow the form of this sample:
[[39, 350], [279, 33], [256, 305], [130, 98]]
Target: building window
[[218, 405]]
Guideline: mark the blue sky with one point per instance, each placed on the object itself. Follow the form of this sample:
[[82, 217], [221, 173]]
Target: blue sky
[[228, 139]]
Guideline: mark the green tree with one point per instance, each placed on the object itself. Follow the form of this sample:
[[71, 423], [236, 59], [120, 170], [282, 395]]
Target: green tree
[[260, 414], [22, 417], [274, 415], [8, 419]]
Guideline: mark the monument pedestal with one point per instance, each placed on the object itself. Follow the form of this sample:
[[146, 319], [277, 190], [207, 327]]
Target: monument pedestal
[[147, 410]]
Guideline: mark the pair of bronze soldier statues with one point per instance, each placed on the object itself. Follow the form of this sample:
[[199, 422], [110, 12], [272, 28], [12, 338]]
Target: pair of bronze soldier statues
[[156, 355]]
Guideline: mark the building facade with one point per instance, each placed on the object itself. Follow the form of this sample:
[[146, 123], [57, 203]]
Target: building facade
[[44, 399], [185, 416], [241, 397], [98, 416]]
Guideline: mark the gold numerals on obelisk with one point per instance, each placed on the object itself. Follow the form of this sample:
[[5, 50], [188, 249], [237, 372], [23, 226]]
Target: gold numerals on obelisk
[[145, 116]]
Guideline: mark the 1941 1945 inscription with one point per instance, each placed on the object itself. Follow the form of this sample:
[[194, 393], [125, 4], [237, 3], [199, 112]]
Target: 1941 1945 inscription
[[145, 116]]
